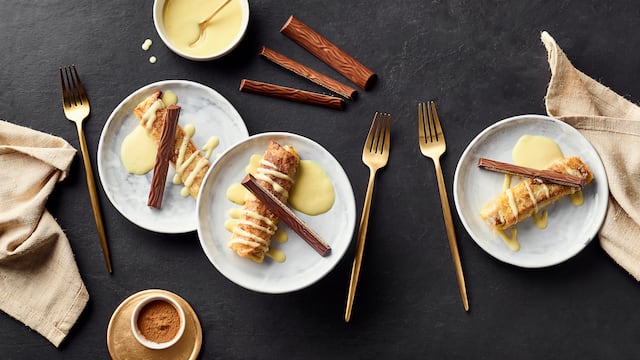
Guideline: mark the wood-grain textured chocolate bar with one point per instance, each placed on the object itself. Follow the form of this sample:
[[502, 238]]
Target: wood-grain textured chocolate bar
[[165, 151], [308, 73], [287, 93], [286, 215], [329, 53], [544, 176]]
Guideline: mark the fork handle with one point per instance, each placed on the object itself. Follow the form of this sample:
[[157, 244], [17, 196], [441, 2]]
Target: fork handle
[[215, 11], [93, 195], [453, 245], [362, 235]]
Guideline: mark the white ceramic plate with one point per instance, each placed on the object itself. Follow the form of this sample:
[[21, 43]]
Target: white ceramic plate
[[570, 228], [207, 110], [303, 265]]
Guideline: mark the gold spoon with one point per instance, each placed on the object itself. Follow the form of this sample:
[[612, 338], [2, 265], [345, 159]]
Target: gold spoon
[[204, 23]]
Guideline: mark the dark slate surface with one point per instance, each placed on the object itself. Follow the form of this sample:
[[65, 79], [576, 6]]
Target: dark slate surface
[[481, 60]]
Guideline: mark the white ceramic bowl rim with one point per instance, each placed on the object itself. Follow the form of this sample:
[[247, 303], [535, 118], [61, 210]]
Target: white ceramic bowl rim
[[146, 342], [158, 7]]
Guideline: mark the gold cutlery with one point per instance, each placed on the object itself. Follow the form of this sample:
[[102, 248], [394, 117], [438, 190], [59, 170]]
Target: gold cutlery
[[432, 145], [202, 25], [76, 109], [375, 155]]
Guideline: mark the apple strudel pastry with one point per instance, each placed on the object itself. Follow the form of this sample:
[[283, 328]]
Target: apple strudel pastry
[[529, 196], [251, 237], [191, 165]]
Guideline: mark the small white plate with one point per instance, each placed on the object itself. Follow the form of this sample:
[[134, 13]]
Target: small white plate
[[303, 265], [570, 228], [207, 110]]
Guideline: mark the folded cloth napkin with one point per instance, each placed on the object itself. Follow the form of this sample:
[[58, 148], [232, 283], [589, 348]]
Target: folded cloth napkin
[[39, 280], [612, 125]]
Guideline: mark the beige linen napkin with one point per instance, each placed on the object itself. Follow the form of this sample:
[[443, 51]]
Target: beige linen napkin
[[39, 280], [612, 124]]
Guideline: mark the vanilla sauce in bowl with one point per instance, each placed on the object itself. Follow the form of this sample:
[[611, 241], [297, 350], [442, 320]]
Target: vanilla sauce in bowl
[[177, 24]]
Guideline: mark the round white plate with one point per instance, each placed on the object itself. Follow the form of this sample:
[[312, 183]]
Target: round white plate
[[303, 265], [207, 110], [570, 228]]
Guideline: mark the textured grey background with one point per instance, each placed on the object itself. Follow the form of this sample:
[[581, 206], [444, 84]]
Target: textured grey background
[[481, 60]]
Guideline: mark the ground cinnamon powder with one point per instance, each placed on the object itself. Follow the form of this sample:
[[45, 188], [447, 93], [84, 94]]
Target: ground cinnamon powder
[[158, 321]]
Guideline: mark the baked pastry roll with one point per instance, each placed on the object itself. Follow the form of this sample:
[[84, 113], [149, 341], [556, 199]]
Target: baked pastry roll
[[256, 225], [190, 163], [528, 197]]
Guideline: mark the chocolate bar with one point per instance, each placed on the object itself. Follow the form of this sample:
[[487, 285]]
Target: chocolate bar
[[287, 93], [329, 53], [165, 151], [308, 73], [285, 214], [540, 176]]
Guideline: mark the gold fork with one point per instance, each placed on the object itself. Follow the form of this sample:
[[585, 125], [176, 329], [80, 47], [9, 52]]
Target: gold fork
[[432, 145], [76, 109], [375, 155]]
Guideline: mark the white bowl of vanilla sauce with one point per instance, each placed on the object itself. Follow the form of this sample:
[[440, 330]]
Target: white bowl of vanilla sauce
[[176, 22]]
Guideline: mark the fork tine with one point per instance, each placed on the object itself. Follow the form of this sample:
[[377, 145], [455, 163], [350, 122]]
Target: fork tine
[[387, 134], [421, 121], [65, 92], [433, 118], [370, 143], [82, 94], [378, 133], [72, 87]]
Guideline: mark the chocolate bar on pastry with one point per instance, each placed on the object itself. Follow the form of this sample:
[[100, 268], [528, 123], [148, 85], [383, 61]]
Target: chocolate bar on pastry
[[192, 164], [528, 196], [257, 224]]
